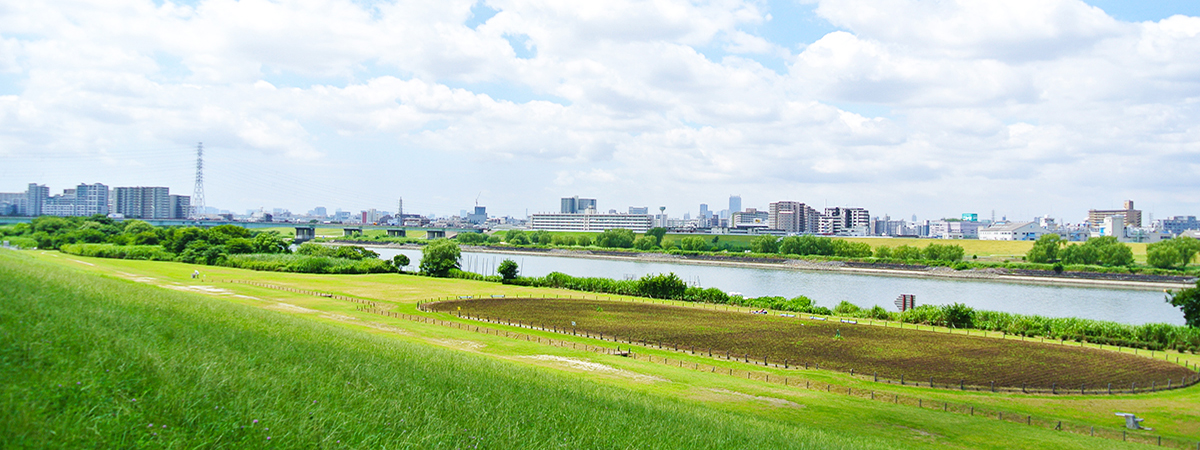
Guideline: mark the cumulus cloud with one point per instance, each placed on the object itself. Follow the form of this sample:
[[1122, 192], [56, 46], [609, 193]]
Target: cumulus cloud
[[625, 97]]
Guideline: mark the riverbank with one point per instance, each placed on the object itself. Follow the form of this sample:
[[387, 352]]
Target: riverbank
[[1067, 279]]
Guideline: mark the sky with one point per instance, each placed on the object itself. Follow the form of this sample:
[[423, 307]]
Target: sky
[[1021, 108]]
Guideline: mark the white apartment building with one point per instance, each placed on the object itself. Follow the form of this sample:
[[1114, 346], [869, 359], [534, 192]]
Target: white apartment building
[[639, 223]]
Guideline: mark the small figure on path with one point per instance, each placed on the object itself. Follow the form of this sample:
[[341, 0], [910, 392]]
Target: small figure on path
[[195, 274]]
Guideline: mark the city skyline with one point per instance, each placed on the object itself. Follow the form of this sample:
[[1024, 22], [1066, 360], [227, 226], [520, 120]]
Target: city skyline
[[1036, 108]]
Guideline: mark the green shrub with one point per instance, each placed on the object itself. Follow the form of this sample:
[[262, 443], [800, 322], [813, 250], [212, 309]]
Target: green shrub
[[142, 252]]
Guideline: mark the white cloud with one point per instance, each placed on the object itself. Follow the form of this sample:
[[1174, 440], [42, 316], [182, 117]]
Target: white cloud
[[914, 96]]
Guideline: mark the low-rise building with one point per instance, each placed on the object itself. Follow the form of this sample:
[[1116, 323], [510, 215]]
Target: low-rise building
[[1178, 224], [1115, 226], [1012, 231], [954, 229]]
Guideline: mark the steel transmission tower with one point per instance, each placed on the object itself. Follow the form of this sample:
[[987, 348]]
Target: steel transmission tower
[[198, 194]]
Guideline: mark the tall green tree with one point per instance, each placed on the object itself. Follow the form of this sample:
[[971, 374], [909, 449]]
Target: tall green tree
[[765, 244], [1103, 251], [1045, 249], [1187, 300], [657, 233], [694, 243], [439, 256], [615, 238], [1172, 253]]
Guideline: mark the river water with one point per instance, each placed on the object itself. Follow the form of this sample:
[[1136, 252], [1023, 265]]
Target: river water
[[828, 288]]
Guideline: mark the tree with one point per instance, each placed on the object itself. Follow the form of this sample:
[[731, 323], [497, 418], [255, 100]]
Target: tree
[[615, 238], [541, 237], [1104, 251], [400, 261], [516, 237], [765, 244], [694, 243], [1187, 300], [644, 243], [439, 256], [270, 242], [471, 238], [1045, 250], [508, 270], [657, 233], [1172, 253]]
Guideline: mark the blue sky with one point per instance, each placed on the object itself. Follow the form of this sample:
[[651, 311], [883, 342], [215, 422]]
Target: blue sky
[[1028, 108]]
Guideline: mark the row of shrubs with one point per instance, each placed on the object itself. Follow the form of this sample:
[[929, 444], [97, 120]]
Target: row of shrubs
[[142, 252], [306, 264], [309, 258], [1152, 336]]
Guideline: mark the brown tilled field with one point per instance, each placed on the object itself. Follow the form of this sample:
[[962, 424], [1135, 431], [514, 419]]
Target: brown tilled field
[[950, 359]]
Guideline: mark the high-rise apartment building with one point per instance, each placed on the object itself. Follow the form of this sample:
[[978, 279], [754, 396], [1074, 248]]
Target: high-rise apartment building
[[35, 198], [735, 203], [144, 202], [1133, 217], [794, 217]]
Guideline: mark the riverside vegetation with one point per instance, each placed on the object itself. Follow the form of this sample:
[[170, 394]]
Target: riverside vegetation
[[224, 245], [1101, 255]]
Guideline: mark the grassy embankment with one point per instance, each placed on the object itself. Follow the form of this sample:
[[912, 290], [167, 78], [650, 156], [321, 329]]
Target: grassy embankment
[[1173, 413], [97, 362]]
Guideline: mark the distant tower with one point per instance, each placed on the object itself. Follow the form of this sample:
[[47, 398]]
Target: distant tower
[[400, 212], [198, 193], [735, 203]]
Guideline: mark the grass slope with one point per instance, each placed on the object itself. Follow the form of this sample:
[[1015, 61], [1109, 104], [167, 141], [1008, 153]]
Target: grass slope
[[96, 362], [1172, 413]]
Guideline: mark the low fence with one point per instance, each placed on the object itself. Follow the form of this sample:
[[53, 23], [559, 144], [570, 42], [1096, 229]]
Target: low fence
[[1052, 389]]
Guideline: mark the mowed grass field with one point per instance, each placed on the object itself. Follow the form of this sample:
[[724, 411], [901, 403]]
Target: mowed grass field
[[266, 381], [892, 353]]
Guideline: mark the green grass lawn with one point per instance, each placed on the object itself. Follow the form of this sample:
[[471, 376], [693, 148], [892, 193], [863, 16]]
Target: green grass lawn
[[248, 352]]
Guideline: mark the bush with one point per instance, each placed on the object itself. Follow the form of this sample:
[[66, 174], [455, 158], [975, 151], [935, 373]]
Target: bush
[[615, 238], [472, 238], [662, 286], [141, 252], [306, 264]]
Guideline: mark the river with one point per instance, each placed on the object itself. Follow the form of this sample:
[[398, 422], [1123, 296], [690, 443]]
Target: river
[[828, 288]]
